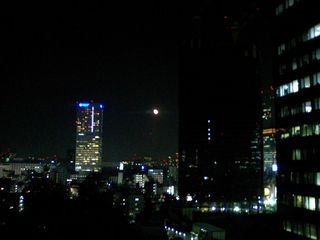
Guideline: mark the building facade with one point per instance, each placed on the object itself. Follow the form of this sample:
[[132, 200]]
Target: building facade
[[270, 167], [89, 126], [219, 150], [297, 74]]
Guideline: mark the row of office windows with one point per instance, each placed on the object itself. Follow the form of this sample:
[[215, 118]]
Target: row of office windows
[[300, 61], [308, 230], [87, 162], [85, 154], [299, 201], [88, 158], [309, 178], [296, 85], [304, 154], [311, 33], [304, 107], [285, 5], [305, 130], [306, 202], [87, 144]]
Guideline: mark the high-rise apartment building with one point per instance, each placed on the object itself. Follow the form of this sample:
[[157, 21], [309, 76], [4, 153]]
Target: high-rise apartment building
[[297, 74], [89, 126]]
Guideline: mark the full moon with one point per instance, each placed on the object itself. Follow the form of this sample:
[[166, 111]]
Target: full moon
[[155, 111]]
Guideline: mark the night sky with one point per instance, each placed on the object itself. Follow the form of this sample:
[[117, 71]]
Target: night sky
[[123, 55]]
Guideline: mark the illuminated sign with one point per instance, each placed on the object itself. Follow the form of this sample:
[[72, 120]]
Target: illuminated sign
[[84, 104]]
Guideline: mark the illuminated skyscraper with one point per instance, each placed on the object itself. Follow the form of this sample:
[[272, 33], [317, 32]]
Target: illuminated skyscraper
[[89, 137], [297, 74]]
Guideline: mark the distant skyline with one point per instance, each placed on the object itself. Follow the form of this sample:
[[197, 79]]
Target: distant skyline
[[126, 59]]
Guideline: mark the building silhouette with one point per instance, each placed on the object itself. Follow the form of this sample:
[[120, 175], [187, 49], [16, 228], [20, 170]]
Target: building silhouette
[[220, 143], [297, 74], [89, 127]]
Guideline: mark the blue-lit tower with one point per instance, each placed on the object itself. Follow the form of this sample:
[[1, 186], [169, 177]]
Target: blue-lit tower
[[89, 126]]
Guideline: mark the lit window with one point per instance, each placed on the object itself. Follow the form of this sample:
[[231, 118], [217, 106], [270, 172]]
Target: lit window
[[310, 203], [318, 182], [279, 9], [297, 228], [316, 129], [307, 107], [316, 78], [287, 226], [318, 54], [284, 135], [296, 154], [305, 36], [294, 64], [305, 82], [311, 231], [284, 111], [288, 88], [281, 49], [315, 31], [298, 201], [295, 86], [295, 131], [306, 130], [289, 3]]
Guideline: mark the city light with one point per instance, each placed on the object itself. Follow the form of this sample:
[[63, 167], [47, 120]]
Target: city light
[[274, 167], [121, 167], [236, 209], [84, 104], [189, 198]]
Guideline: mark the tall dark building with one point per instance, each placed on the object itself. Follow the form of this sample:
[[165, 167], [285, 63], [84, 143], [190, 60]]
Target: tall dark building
[[219, 108], [297, 74]]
